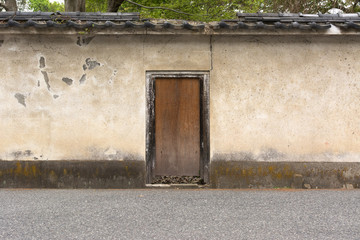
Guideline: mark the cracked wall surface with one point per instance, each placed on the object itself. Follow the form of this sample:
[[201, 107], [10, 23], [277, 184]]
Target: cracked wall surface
[[83, 98], [272, 98], [285, 99]]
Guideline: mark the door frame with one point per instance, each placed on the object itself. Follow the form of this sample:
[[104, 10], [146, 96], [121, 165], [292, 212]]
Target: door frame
[[203, 77]]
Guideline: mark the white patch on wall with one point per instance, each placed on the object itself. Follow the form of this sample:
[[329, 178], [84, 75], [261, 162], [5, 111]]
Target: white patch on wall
[[13, 48], [261, 116], [333, 30], [110, 151]]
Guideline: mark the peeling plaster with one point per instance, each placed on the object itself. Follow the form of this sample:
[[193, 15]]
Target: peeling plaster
[[42, 62], [91, 64], [68, 81], [82, 79], [21, 98], [83, 41], [46, 78]]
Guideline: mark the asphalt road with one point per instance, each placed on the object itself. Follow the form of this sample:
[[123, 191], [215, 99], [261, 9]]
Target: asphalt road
[[179, 214]]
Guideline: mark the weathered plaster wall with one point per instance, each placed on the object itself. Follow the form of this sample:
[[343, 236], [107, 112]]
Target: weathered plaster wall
[[83, 98], [285, 98], [272, 98]]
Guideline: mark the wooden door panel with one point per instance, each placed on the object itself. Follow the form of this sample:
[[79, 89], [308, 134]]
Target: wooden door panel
[[177, 126]]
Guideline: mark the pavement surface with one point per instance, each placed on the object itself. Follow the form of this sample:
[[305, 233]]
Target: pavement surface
[[179, 214]]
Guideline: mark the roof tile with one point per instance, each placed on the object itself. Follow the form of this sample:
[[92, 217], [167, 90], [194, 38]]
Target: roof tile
[[250, 21]]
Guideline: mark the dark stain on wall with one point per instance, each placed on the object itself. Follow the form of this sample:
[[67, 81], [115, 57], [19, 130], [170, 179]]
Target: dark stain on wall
[[240, 156], [100, 154], [19, 154], [1, 42], [82, 79], [249, 174], [83, 41], [271, 154], [91, 64], [72, 174], [68, 81], [265, 155], [42, 62], [55, 96], [46, 78], [20, 98]]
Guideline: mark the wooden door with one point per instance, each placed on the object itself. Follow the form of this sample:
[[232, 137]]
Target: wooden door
[[177, 127]]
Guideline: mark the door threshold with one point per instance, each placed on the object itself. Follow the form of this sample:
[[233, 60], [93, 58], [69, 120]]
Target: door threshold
[[175, 186]]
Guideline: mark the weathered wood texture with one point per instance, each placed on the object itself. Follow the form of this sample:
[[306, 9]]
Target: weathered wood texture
[[177, 126]]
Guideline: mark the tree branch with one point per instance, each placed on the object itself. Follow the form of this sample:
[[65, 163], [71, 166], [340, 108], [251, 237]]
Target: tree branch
[[354, 5], [4, 6], [113, 5]]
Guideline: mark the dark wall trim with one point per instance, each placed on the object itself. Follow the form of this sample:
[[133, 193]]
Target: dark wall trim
[[72, 174], [204, 115], [308, 175]]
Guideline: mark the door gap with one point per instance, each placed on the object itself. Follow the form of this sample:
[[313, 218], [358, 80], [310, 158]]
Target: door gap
[[178, 180]]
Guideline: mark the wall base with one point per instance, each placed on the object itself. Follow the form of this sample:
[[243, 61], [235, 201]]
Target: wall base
[[246, 174], [223, 174], [72, 174]]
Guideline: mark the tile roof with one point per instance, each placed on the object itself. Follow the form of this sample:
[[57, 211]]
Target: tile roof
[[299, 20], [244, 21]]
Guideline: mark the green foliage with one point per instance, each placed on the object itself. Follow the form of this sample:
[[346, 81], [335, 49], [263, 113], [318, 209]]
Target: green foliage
[[96, 5], [310, 6], [45, 6], [201, 10], [21, 4], [207, 10]]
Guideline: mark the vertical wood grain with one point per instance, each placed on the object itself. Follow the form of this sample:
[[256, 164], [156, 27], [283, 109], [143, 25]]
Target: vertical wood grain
[[177, 126]]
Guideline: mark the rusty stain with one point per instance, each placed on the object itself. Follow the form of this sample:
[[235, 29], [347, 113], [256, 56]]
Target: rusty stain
[[33, 167], [26, 169], [278, 175], [251, 172], [18, 169], [52, 176]]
